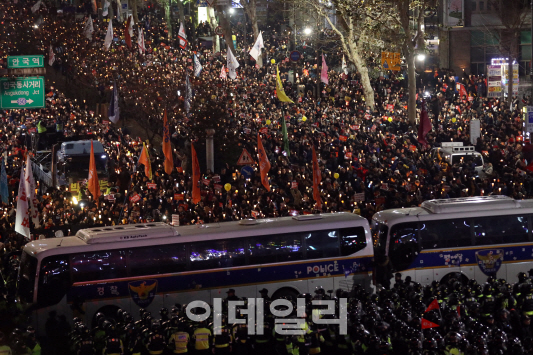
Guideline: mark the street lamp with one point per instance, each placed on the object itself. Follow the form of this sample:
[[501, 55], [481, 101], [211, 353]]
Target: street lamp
[[231, 11], [421, 57], [308, 30]]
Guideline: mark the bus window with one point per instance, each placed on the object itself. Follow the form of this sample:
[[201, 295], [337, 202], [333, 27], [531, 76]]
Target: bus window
[[322, 244], [403, 244], [275, 248], [217, 253], [352, 240], [448, 233], [28, 266], [158, 259], [98, 265], [54, 280], [500, 229]]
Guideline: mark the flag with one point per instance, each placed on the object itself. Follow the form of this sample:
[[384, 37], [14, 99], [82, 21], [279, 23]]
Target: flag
[[36, 8], [223, 74], [255, 52], [105, 11], [428, 324], [285, 137], [197, 66], [51, 56], [22, 219], [317, 178], [93, 185], [264, 164], [188, 93], [196, 194], [182, 36], [109, 36], [130, 28], [30, 193], [140, 42], [232, 65], [344, 66], [167, 148], [279, 89], [144, 159], [4, 190], [119, 10], [114, 111], [425, 125], [127, 32], [433, 305], [324, 73], [89, 29]]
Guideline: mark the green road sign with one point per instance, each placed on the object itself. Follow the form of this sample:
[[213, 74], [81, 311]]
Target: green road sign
[[18, 93], [25, 61]]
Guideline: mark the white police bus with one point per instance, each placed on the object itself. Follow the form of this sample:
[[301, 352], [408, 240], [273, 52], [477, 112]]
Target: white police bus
[[157, 265], [465, 238]]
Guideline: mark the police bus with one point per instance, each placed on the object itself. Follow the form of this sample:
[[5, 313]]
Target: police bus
[[464, 238], [157, 265]]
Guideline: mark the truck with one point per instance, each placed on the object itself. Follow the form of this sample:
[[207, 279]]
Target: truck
[[456, 152], [65, 162]]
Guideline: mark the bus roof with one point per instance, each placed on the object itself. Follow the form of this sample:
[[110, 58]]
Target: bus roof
[[462, 206], [159, 233]]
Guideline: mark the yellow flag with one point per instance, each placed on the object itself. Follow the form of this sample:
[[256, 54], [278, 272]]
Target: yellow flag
[[279, 89]]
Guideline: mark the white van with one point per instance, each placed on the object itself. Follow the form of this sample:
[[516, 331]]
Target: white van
[[456, 153]]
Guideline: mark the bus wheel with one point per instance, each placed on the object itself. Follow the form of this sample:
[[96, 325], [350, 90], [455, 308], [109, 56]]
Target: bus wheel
[[285, 292], [110, 313], [454, 275]]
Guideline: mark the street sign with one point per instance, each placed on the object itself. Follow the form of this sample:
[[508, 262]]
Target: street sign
[[19, 93], [24, 71], [295, 56], [25, 61], [247, 171], [218, 31], [391, 61]]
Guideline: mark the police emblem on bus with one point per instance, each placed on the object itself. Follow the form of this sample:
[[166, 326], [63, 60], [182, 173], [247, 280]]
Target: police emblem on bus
[[143, 292], [489, 260]]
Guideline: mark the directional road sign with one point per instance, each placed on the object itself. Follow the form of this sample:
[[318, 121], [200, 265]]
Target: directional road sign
[[19, 93], [295, 56], [25, 61]]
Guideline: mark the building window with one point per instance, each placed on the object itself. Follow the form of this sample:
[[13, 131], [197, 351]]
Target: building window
[[525, 53], [484, 47]]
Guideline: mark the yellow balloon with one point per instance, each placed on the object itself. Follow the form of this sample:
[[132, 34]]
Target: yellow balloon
[[304, 118], [390, 119], [336, 175], [273, 61], [268, 122], [454, 119], [227, 187]]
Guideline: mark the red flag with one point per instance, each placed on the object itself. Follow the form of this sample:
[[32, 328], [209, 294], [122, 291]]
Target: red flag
[[264, 164], [93, 185], [428, 324], [144, 159], [317, 177], [425, 125], [167, 148], [459, 310], [127, 32], [196, 194], [433, 305]]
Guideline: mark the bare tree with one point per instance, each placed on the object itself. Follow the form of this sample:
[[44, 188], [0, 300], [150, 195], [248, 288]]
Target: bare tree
[[513, 15], [410, 21], [250, 7]]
